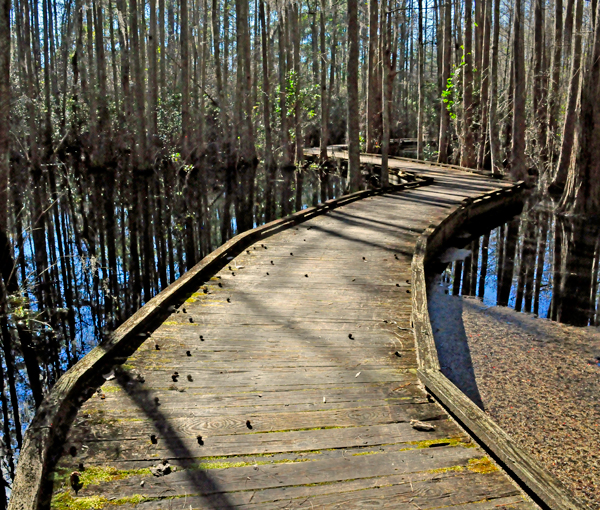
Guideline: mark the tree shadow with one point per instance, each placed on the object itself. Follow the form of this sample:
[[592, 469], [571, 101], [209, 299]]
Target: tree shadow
[[204, 485]]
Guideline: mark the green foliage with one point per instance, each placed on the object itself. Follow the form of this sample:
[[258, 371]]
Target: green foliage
[[451, 96]]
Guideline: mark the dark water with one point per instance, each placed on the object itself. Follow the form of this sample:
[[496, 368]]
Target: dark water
[[539, 262]]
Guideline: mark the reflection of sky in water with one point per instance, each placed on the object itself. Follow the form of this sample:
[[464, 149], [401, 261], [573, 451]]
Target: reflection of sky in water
[[491, 280]]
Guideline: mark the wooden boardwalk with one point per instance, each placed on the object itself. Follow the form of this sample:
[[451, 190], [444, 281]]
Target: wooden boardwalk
[[288, 380]]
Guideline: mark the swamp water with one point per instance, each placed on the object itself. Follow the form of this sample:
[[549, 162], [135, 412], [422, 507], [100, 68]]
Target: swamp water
[[538, 262]]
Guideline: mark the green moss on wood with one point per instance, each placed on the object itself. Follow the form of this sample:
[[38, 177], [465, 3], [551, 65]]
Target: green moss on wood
[[294, 430], [451, 441], [111, 388], [483, 465], [367, 453], [96, 475], [65, 501], [446, 469], [227, 465]]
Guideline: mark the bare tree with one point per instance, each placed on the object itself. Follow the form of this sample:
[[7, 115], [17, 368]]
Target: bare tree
[[4, 113], [582, 193], [518, 164], [373, 90], [485, 83], [554, 93], [446, 65], [468, 149], [353, 108], [420, 84], [568, 133]]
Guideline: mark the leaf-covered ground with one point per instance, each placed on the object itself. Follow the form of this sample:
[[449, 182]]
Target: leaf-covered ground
[[538, 379]]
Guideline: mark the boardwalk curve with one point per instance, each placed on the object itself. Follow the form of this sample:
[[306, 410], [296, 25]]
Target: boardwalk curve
[[281, 372]]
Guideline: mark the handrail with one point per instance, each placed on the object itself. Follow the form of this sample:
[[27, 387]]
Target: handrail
[[31, 487], [483, 173], [532, 476]]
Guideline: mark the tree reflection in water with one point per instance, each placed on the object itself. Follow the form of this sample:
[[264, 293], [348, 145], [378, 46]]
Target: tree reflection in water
[[539, 262]]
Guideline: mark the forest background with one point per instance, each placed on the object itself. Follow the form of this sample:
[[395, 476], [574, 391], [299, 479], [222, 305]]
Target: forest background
[[138, 135]]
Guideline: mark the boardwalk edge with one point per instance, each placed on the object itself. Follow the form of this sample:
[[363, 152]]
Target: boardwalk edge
[[49, 426], [539, 483]]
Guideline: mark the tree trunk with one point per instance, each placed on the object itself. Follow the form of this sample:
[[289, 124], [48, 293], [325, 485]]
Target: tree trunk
[[541, 259], [508, 263], [286, 160], [385, 106], [485, 83], [163, 49], [484, 264], [353, 106], [186, 138], [246, 160], [295, 17], [555, 95], [568, 134], [468, 149], [269, 160], [372, 89], [420, 78], [539, 84], [4, 113], [582, 193], [153, 76], [518, 164], [104, 139], [324, 96], [124, 45], [446, 66], [140, 107], [568, 33], [458, 266]]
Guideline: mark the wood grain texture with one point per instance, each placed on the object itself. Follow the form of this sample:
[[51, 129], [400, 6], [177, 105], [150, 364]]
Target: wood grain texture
[[280, 390]]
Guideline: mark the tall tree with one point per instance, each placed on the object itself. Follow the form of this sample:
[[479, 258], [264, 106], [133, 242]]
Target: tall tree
[[323, 86], [4, 112], [468, 148], [373, 90], [153, 78], [582, 192], [446, 65], [140, 151], [485, 83], [568, 132], [539, 82], [269, 160], [554, 93], [353, 106], [495, 148], [385, 78], [518, 164], [420, 84], [246, 157], [186, 135]]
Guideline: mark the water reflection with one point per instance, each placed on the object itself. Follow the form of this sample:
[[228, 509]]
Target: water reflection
[[539, 262]]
